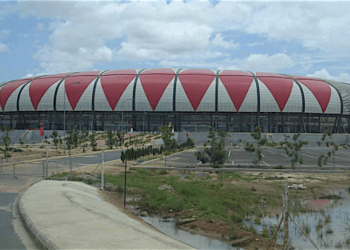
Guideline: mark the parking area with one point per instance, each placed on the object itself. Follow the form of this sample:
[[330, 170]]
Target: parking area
[[271, 157]]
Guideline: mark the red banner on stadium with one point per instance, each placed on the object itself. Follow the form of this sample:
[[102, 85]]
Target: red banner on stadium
[[41, 129]]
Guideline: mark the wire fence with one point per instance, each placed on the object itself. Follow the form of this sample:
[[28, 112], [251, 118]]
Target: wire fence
[[43, 169], [35, 169]]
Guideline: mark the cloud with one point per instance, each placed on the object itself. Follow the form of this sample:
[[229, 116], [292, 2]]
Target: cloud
[[264, 62], [324, 74], [315, 25], [3, 48], [218, 41], [255, 44], [53, 61], [40, 26], [86, 33]]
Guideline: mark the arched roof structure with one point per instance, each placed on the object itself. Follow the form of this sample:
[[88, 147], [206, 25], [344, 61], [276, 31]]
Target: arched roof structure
[[175, 90]]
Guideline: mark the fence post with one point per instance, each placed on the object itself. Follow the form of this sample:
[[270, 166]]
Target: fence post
[[43, 163], [14, 170], [125, 183], [70, 165], [285, 215], [47, 160], [102, 172]]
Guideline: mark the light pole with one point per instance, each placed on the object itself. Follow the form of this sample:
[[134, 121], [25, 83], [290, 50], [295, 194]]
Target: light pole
[[130, 99], [64, 114], [143, 135]]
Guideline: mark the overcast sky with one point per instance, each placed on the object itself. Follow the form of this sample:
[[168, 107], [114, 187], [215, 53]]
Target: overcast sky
[[300, 38]]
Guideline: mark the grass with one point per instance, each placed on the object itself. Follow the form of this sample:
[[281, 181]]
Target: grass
[[208, 199], [236, 176], [306, 228], [319, 225], [265, 232], [329, 231], [257, 220], [59, 175]]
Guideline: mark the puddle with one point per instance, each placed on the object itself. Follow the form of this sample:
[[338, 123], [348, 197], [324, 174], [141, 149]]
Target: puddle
[[328, 224], [169, 228], [195, 240]]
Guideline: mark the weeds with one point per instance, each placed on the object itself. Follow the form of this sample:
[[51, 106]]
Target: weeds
[[257, 220], [265, 232], [329, 231], [236, 176], [207, 199]]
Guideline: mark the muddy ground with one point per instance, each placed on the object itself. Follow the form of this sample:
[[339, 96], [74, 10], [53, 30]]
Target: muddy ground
[[317, 185]]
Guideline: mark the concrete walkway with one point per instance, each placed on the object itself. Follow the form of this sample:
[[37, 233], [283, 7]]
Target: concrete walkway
[[72, 215]]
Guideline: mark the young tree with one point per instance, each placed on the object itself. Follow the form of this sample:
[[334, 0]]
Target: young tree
[[6, 141], [75, 136], [169, 143], [223, 135], [327, 138], [69, 139], [119, 139], [93, 143], [250, 147], [292, 149], [55, 139], [216, 154], [110, 141], [83, 138]]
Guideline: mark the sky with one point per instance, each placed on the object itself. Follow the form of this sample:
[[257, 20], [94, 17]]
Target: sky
[[308, 38]]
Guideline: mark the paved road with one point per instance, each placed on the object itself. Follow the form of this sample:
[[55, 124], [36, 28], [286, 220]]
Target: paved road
[[13, 235], [271, 157], [74, 215], [90, 159], [8, 237]]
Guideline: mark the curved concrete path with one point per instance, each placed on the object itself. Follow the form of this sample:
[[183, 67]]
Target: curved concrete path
[[72, 215]]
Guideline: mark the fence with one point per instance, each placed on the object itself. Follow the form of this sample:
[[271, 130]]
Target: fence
[[14, 169], [42, 169]]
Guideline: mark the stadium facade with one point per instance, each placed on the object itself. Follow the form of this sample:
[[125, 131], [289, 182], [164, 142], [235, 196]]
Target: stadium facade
[[191, 99]]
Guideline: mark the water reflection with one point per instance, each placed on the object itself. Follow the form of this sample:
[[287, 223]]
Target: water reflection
[[195, 240], [328, 224]]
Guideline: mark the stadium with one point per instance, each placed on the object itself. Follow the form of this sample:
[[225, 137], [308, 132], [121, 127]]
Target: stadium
[[191, 99]]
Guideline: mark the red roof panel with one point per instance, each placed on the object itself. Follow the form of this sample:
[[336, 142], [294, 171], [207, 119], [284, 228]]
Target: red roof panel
[[75, 87], [38, 88], [280, 87], [196, 83], [114, 85], [237, 85], [154, 82], [8, 89], [320, 89]]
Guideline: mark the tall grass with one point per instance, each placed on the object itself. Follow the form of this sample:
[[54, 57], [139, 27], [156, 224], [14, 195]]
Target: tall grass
[[208, 199]]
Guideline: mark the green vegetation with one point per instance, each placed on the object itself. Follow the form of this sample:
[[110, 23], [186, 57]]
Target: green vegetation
[[55, 139], [292, 149], [93, 143], [329, 231], [6, 142], [250, 147], [83, 138], [265, 232], [216, 154], [169, 142], [134, 154], [235, 176], [327, 138], [110, 141], [208, 199]]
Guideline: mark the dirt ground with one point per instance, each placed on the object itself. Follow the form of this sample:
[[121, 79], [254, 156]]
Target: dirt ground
[[317, 185], [37, 151]]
